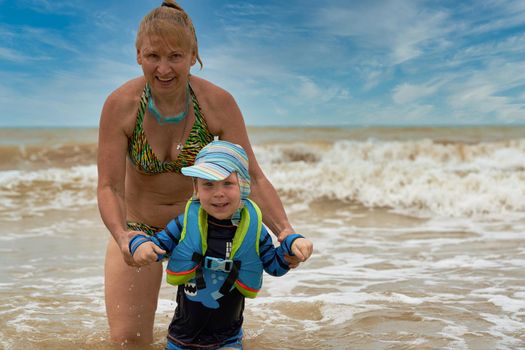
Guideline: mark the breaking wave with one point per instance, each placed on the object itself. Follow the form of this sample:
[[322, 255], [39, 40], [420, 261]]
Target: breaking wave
[[420, 177]]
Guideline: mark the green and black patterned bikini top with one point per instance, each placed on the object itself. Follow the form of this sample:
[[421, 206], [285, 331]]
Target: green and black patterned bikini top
[[141, 154]]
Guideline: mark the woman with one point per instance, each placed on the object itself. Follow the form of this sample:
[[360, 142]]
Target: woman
[[150, 128]]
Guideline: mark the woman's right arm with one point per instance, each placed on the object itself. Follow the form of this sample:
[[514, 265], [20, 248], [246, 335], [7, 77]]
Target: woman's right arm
[[111, 162]]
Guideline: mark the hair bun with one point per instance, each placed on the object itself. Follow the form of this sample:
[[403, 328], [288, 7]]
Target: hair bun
[[170, 4]]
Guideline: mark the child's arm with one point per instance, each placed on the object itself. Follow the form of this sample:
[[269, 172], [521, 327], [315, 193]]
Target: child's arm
[[168, 238], [273, 258], [148, 249], [144, 251]]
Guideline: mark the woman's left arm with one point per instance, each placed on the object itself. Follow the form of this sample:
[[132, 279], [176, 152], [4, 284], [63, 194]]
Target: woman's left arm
[[229, 123]]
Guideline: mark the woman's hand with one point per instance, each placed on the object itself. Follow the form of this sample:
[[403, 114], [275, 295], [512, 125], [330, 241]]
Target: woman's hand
[[124, 247]]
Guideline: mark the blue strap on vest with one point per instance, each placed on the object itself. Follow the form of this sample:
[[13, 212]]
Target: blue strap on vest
[[217, 264]]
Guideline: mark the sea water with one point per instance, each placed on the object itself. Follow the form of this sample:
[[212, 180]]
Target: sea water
[[418, 232]]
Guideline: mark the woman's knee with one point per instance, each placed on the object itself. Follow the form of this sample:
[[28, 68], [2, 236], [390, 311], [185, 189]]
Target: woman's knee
[[130, 321], [130, 335]]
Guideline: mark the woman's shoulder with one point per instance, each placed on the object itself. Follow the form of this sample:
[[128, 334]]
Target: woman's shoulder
[[127, 95], [208, 92], [217, 104], [122, 104]]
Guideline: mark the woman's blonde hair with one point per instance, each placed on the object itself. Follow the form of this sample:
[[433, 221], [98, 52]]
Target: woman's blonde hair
[[166, 21]]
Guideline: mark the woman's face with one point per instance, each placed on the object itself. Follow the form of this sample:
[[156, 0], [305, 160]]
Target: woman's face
[[166, 64]]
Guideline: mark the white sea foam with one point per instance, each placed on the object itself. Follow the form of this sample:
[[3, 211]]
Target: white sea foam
[[421, 177], [32, 193], [503, 325], [77, 175], [456, 333]]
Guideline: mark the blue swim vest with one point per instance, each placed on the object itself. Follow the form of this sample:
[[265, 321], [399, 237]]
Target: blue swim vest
[[244, 270]]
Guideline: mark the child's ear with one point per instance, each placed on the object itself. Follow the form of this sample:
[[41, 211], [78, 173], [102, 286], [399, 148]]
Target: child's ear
[[195, 194]]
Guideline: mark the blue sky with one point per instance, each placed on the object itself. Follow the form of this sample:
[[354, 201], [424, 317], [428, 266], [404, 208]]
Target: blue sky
[[294, 62]]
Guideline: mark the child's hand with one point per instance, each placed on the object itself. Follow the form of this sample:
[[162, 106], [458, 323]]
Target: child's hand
[[147, 253], [124, 246], [302, 248]]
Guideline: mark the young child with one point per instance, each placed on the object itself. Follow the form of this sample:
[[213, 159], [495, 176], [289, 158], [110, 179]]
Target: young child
[[218, 249]]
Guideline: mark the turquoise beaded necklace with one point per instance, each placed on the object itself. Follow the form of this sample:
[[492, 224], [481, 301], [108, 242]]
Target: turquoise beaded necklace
[[169, 119]]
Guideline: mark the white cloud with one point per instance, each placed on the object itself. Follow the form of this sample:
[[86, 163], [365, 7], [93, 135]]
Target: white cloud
[[496, 15], [11, 55], [407, 93], [373, 73], [419, 33], [245, 9], [53, 6], [485, 92], [34, 41], [310, 92], [486, 51], [401, 27], [107, 20], [483, 100], [52, 38], [70, 98]]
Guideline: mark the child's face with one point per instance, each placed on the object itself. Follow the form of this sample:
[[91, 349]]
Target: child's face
[[220, 199]]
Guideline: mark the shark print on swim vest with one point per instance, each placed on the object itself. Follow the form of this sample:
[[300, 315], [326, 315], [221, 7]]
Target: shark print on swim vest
[[209, 295]]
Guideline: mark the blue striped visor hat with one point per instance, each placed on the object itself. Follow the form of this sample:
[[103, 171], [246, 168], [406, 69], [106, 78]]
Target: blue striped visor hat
[[216, 161]]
